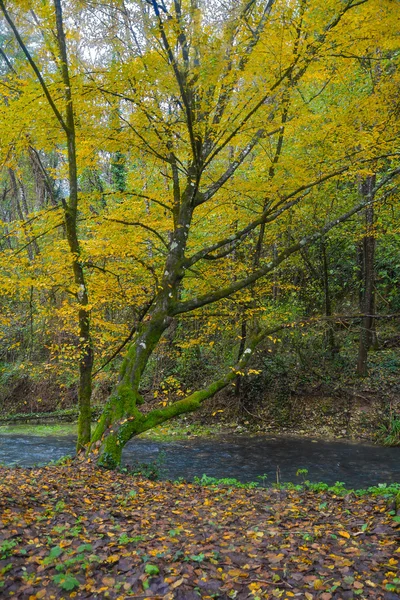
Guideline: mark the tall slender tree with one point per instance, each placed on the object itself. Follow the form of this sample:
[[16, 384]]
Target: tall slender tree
[[70, 209]]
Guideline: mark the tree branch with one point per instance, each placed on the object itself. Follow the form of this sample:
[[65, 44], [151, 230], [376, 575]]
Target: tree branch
[[178, 77], [34, 67], [138, 224], [266, 217], [189, 305], [142, 314], [208, 194]]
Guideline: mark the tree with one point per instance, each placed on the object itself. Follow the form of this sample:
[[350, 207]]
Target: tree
[[70, 209], [234, 123], [367, 293], [204, 107]]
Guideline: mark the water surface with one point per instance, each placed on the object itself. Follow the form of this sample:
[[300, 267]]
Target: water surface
[[242, 457]]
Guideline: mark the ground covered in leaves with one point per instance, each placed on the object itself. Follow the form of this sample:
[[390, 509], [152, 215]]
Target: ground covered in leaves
[[77, 532]]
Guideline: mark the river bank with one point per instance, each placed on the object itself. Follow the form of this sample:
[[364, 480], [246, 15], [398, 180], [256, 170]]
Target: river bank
[[183, 428]]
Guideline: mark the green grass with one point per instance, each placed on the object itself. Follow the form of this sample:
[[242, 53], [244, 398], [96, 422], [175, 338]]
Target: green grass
[[41, 430], [179, 430], [166, 433]]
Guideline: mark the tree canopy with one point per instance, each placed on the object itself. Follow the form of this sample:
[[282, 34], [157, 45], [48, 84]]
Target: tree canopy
[[164, 159]]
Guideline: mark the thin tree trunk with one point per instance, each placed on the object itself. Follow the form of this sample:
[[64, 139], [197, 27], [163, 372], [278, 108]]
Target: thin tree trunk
[[70, 214], [71, 210], [6, 217], [40, 181], [330, 337], [368, 282], [242, 346], [32, 246]]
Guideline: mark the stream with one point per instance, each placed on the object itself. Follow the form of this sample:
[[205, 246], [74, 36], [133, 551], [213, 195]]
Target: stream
[[242, 457]]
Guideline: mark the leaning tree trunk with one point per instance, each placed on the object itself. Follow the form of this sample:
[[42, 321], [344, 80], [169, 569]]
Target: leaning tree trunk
[[121, 420]]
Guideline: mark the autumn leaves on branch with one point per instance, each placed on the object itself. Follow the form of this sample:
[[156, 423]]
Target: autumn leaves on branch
[[198, 148]]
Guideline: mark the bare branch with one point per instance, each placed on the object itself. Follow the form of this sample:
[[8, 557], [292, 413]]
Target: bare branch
[[34, 67], [138, 224]]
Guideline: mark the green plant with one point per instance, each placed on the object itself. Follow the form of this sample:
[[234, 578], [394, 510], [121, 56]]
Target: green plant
[[54, 553], [228, 481], [6, 568], [388, 491], [66, 582], [196, 557], [152, 470], [174, 532], [263, 479], [60, 528], [303, 473], [85, 548], [75, 531], [394, 585], [124, 500], [64, 460], [151, 569], [125, 539], [7, 547], [389, 432]]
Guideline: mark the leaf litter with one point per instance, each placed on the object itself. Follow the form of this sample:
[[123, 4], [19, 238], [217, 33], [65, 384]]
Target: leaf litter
[[75, 531]]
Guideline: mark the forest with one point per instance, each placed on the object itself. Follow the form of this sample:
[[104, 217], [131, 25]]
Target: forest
[[199, 197], [199, 234]]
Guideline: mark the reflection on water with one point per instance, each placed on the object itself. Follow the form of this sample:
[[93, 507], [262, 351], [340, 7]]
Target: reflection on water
[[241, 457]]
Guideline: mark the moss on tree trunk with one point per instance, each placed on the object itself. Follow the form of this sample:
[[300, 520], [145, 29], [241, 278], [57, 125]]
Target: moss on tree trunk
[[122, 420]]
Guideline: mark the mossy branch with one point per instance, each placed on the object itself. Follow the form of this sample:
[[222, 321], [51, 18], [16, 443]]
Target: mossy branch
[[196, 399]]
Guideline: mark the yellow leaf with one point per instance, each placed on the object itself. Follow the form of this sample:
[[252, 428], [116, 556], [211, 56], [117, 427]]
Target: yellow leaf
[[318, 584], [237, 573], [344, 534], [113, 558]]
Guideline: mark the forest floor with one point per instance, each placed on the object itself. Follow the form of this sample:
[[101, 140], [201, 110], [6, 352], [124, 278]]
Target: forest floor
[[74, 531]]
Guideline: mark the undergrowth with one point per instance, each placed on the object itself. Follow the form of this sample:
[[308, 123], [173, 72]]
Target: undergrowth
[[389, 432], [382, 489]]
